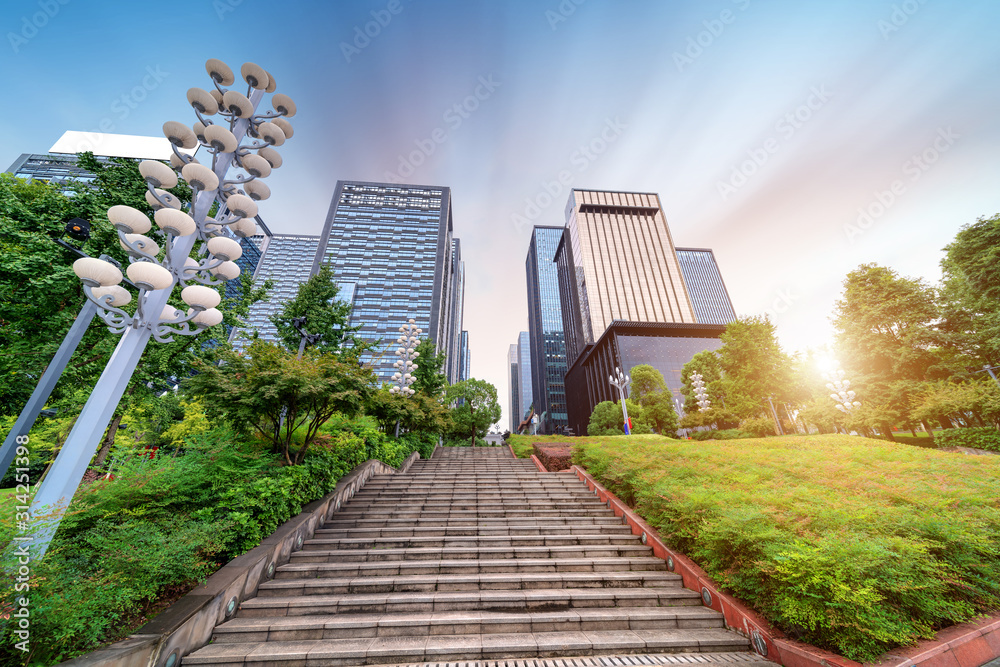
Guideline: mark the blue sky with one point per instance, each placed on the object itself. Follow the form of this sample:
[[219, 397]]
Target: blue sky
[[766, 127]]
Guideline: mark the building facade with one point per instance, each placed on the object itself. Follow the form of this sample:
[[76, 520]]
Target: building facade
[[390, 247], [524, 375], [545, 330], [707, 290], [286, 260], [616, 261], [454, 355], [464, 372], [513, 380], [665, 347]]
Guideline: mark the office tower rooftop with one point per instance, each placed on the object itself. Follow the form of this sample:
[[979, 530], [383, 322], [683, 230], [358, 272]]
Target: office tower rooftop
[[705, 286], [616, 261], [390, 247], [545, 329]]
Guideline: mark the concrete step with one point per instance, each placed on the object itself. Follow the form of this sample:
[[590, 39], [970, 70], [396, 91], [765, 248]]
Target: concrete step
[[290, 583], [477, 553], [422, 502], [483, 522], [348, 626], [393, 650], [481, 513], [333, 565], [486, 600], [467, 541], [518, 530]]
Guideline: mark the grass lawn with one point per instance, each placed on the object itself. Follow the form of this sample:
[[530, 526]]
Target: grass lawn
[[852, 544]]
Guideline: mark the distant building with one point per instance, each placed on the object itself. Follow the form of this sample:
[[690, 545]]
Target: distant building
[[524, 374], [513, 381], [545, 330], [465, 373], [629, 297], [705, 286], [454, 356], [391, 249]]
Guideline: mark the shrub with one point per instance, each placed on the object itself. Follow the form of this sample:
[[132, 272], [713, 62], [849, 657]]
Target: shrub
[[854, 545], [978, 438], [759, 427]]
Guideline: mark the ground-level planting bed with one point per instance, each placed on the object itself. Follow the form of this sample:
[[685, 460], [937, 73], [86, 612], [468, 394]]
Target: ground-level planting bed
[[851, 544]]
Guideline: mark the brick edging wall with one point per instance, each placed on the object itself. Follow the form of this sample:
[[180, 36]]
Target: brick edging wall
[[963, 645], [538, 463], [188, 623]]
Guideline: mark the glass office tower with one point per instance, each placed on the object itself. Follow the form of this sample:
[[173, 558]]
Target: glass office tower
[[513, 380], [616, 261], [391, 247], [524, 374], [464, 372], [545, 329], [705, 286]]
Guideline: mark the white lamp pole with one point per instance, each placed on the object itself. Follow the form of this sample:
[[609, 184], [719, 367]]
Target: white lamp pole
[[842, 392], [408, 339], [698, 382], [622, 381], [179, 233]]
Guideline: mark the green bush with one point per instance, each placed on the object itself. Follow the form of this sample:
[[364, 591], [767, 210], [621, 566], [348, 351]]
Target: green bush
[[978, 438], [854, 545], [759, 427], [725, 434]]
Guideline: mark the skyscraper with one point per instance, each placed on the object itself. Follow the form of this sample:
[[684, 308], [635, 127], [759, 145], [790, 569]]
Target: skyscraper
[[454, 358], [287, 261], [524, 374], [390, 247], [705, 286], [513, 380], [616, 261], [545, 329], [464, 372]]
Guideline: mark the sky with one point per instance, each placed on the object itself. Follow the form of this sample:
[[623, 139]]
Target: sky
[[797, 139]]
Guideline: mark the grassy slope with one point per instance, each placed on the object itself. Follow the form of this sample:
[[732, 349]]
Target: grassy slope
[[856, 545]]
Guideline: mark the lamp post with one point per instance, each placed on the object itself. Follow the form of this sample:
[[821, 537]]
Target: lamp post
[[842, 394], [407, 352], [622, 381], [989, 369], [305, 338], [180, 233], [698, 382]]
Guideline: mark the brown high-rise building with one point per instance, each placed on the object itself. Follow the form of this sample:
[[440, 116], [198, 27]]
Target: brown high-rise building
[[616, 261]]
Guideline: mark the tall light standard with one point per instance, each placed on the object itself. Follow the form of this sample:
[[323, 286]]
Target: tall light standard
[[842, 394], [407, 351], [179, 232], [622, 381], [698, 382]]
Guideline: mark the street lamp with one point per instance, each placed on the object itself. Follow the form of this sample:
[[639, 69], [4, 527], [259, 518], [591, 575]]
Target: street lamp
[[842, 392], [698, 382], [406, 352], [239, 137], [622, 381]]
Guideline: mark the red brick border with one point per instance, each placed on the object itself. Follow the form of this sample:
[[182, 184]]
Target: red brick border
[[964, 645], [538, 463]]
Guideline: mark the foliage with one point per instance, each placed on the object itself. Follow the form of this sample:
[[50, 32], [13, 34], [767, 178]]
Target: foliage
[[855, 545], [270, 392], [705, 362], [724, 434], [650, 391], [978, 438], [753, 367], [606, 419], [759, 427], [428, 378], [326, 316], [646, 380], [479, 408]]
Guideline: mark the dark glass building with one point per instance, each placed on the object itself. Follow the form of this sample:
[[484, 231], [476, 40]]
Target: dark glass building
[[664, 346], [705, 286], [513, 380], [391, 249], [545, 330], [464, 373]]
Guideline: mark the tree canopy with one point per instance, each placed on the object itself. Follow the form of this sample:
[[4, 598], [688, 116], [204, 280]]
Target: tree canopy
[[479, 407], [326, 316]]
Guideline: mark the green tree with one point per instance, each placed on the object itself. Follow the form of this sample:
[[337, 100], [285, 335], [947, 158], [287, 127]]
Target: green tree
[[705, 362], [650, 391], [273, 394], [606, 418], [479, 409], [326, 316], [753, 367], [428, 378]]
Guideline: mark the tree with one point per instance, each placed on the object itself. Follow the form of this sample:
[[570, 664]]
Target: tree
[[970, 294], [606, 418], [270, 392], [753, 367], [428, 378], [705, 362], [418, 412], [479, 408], [650, 391], [316, 300]]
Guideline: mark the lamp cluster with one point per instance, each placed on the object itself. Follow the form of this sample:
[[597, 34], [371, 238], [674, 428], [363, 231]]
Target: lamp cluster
[[698, 382], [842, 392], [179, 227], [409, 335]]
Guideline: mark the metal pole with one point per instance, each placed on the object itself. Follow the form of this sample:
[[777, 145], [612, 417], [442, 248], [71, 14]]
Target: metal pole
[[989, 369], [64, 477], [774, 414], [40, 396]]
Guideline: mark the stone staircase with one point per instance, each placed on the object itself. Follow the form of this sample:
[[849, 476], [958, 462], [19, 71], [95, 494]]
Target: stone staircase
[[473, 556]]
